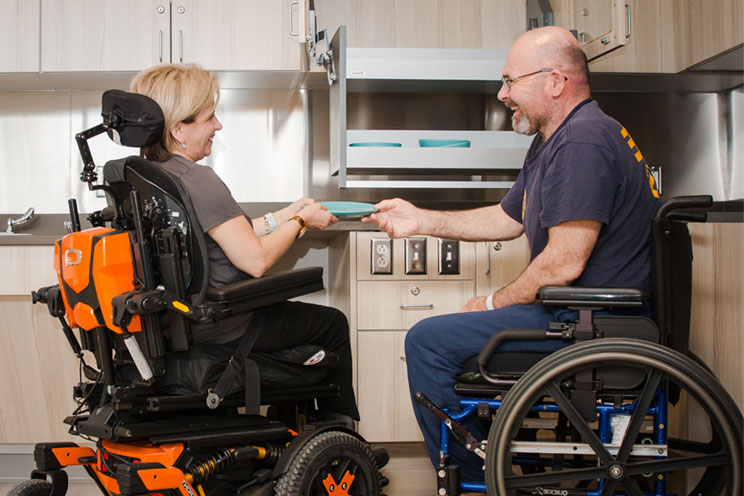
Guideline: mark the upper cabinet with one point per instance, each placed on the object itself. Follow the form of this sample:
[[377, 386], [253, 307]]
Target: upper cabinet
[[19, 35], [111, 35], [104, 35], [224, 35], [654, 36], [493, 24]]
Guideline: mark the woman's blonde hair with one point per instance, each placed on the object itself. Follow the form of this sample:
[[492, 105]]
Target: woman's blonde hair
[[182, 91]]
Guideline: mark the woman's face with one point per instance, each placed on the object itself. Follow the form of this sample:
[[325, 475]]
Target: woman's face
[[195, 138]]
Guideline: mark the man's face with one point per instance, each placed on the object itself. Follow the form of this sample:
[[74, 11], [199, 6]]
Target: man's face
[[522, 94]]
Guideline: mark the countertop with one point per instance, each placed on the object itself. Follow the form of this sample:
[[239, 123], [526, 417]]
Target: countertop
[[45, 229]]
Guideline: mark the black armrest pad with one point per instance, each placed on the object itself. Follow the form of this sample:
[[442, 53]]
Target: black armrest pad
[[592, 297], [276, 287]]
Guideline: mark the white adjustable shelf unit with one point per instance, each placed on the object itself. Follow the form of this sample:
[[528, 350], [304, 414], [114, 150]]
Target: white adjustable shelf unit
[[496, 154]]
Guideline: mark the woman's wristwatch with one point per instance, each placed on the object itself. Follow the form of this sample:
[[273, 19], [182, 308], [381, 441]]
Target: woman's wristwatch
[[301, 222]]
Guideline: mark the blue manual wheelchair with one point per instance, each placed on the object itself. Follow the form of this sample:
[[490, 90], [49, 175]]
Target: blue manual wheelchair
[[593, 418]]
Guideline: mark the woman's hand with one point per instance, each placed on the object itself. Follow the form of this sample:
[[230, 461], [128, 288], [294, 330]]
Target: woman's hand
[[316, 216], [295, 207]]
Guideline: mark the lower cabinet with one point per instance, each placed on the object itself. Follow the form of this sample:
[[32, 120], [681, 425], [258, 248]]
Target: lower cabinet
[[384, 399]]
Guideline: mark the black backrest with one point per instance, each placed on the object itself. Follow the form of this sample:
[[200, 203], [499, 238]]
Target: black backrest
[[671, 267], [165, 204]]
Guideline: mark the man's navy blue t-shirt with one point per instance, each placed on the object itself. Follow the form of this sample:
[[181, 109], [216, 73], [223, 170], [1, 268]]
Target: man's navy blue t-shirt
[[590, 169]]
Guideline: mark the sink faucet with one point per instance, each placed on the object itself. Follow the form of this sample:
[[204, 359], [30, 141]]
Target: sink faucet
[[20, 220]]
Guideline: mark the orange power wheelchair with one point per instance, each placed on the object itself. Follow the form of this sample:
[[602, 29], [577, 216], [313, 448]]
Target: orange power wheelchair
[[593, 418], [166, 416]]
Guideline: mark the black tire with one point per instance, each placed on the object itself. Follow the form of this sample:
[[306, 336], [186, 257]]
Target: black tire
[[32, 487], [336, 454], [720, 457]]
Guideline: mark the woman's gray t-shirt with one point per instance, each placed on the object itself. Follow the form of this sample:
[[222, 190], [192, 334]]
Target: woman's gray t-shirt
[[213, 204]]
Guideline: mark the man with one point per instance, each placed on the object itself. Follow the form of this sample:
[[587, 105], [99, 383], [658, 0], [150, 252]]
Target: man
[[584, 198]]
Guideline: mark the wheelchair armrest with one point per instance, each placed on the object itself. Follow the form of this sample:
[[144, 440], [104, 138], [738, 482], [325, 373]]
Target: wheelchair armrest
[[569, 296], [271, 288]]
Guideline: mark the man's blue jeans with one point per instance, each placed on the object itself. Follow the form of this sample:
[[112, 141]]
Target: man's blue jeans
[[437, 348]]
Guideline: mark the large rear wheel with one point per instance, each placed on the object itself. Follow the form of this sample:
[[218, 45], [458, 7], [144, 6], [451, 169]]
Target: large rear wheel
[[333, 463], [703, 460]]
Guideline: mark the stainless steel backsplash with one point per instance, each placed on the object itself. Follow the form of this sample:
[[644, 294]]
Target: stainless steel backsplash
[[274, 145]]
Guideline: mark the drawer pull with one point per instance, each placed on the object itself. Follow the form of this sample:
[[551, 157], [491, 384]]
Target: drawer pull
[[430, 306]]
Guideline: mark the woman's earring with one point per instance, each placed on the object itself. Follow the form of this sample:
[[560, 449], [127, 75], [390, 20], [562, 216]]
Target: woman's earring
[[183, 145]]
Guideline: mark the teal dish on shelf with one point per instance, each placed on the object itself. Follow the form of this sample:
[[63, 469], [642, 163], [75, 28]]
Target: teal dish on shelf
[[378, 144], [443, 143]]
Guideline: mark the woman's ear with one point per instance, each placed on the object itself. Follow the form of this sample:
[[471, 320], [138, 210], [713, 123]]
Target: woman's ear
[[176, 131]]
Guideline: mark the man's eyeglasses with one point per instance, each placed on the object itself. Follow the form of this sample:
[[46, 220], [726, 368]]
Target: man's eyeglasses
[[509, 81]]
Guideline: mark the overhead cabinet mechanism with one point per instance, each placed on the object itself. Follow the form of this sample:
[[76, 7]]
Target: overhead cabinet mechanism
[[466, 144]]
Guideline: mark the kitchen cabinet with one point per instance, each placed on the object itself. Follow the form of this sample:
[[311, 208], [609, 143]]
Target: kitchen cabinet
[[108, 35], [19, 35], [104, 35], [381, 309], [492, 24], [36, 364], [498, 263], [713, 28]]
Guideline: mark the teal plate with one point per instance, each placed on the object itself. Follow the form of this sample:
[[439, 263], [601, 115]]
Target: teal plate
[[349, 209]]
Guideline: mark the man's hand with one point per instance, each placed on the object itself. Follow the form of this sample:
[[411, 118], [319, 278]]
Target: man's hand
[[397, 218], [476, 304]]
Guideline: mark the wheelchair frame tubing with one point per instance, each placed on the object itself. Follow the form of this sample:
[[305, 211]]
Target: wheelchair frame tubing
[[658, 409]]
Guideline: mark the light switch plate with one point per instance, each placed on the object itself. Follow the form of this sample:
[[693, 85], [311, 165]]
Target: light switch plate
[[449, 256], [382, 256], [415, 255]]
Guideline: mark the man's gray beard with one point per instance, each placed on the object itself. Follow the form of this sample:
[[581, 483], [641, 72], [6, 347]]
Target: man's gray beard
[[522, 126]]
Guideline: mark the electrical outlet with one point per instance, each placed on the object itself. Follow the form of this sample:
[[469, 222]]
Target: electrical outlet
[[382, 256], [449, 256], [415, 255]]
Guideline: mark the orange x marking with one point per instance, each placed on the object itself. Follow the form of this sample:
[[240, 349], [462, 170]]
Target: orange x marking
[[340, 489]]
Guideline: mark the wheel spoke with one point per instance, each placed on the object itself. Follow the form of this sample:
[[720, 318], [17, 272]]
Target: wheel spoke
[[671, 464], [609, 488], [631, 487], [318, 487], [636, 422], [532, 480], [578, 422]]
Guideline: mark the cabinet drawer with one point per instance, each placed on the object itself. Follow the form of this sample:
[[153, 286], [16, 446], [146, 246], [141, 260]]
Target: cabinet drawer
[[364, 260], [26, 269], [400, 304], [384, 398]]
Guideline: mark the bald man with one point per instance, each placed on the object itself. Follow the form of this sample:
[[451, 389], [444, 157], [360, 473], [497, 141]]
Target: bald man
[[584, 199]]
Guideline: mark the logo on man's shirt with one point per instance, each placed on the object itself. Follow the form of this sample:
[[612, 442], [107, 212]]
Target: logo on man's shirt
[[639, 157]]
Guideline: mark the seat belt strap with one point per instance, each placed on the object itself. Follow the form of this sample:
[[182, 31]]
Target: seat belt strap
[[239, 362]]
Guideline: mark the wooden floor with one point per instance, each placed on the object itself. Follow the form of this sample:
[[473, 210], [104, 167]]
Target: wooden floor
[[409, 471]]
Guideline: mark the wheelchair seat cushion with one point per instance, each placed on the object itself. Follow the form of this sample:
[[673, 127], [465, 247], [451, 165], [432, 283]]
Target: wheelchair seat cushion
[[197, 370]]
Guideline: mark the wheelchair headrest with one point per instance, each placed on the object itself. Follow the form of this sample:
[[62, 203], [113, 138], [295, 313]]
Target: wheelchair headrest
[[133, 120]]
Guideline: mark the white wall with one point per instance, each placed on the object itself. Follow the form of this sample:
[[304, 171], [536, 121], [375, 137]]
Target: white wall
[[260, 154]]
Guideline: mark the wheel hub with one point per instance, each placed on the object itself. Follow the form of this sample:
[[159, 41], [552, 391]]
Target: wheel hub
[[616, 471], [338, 489]]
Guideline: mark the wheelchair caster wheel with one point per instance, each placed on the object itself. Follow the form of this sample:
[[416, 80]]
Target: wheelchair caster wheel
[[333, 463]]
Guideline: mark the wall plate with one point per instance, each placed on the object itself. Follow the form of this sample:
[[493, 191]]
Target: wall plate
[[416, 255], [382, 256], [449, 256]]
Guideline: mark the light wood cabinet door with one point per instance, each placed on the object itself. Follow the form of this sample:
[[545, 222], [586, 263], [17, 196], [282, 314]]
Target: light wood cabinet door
[[713, 27], [400, 304], [236, 34], [19, 35], [104, 35], [498, 263], [384, 398], [493, 24]]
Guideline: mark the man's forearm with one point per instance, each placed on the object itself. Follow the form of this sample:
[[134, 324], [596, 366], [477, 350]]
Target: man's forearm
[[480, 224]]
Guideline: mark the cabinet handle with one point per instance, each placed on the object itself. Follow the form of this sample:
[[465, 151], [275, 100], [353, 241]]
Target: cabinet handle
[[180, 46], [488, 258], [291, 4], [627, 11], [403, 357], [430, 306], [160, 45]]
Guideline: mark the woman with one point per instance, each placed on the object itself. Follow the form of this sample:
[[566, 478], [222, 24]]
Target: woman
[[238, 247]]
